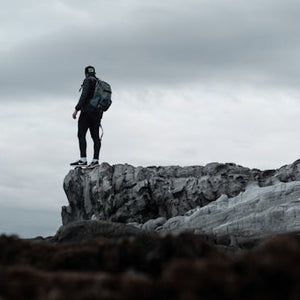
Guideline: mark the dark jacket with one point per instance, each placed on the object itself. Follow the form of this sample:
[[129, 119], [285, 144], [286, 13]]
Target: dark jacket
[[88, 88]]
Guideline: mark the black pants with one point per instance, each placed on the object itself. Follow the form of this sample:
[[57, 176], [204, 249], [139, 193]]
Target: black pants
[[91, 121]]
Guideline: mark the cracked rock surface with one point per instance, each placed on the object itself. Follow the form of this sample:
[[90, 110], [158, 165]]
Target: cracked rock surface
[[252, 215], [218, 199]]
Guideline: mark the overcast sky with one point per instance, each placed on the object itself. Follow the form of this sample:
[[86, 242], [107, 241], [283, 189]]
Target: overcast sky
[[193, 81]]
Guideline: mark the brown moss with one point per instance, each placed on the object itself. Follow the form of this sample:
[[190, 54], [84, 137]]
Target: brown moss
[[182, 267]]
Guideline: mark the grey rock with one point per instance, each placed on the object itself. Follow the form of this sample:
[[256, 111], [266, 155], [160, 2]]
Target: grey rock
[[153, 224], [127, 194], [80, 231], [257, 213]]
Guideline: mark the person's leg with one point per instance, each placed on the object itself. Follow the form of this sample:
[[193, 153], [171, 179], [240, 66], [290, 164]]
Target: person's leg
[[94, 130], [83, 125]]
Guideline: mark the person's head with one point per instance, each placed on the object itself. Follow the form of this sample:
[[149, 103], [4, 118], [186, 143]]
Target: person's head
[[89, 70]]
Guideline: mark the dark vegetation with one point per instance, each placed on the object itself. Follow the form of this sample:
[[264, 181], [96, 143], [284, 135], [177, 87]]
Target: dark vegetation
[[183, 267]]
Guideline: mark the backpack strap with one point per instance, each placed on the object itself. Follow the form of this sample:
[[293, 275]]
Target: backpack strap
[[102, 132]]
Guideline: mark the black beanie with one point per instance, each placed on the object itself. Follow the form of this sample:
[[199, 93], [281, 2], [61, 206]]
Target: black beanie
[[90, 70]]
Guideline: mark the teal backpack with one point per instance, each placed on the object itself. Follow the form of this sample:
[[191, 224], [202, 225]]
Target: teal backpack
[[102, 96]]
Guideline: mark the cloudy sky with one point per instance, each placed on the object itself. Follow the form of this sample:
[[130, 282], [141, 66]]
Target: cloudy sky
[[194, 81]]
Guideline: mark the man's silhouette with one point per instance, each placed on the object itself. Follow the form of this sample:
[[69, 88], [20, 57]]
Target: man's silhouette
[[89, 118]]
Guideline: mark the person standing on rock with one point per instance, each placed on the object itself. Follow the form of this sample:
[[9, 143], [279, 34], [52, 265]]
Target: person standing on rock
[[90, 118]]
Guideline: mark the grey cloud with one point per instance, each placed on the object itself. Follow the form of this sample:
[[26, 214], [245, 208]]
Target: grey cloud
[[163, 45]]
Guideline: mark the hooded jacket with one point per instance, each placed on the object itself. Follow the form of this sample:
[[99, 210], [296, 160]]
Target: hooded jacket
[[88, 88]]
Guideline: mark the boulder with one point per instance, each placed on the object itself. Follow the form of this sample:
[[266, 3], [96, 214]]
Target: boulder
[[257, 213], [81, 231], [226, 201]]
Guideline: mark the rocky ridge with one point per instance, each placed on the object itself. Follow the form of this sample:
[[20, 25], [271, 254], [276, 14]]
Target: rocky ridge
[[219, 199]]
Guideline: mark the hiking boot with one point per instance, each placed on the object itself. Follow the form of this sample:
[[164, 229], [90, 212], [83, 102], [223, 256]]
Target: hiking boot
[[93, 164], [78, 163]]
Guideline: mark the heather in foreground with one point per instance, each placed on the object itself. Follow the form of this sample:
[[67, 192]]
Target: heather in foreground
[[171, 267]]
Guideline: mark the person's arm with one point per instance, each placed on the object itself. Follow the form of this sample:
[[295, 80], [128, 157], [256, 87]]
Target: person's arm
[[87, 90], [74, 114]]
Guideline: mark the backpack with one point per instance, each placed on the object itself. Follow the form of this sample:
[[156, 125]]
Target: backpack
[[101, 99]]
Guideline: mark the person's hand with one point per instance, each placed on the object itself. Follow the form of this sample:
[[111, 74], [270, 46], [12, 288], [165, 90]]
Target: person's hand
[[74, 114]]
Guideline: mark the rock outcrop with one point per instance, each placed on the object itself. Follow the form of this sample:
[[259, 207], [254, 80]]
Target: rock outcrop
[[88, 230], [219, 199], [253, 214]]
